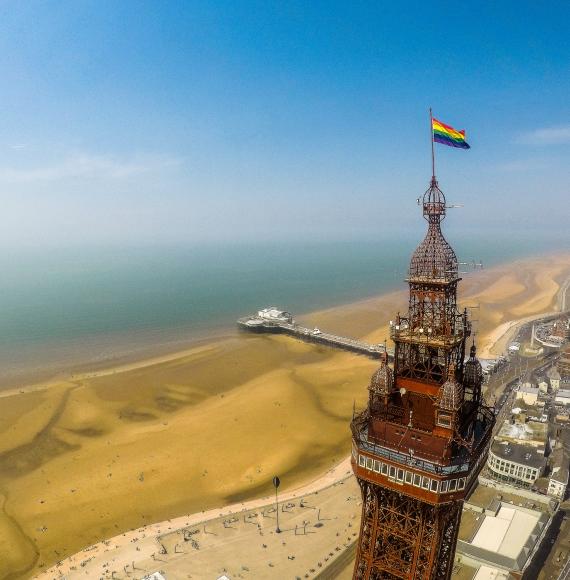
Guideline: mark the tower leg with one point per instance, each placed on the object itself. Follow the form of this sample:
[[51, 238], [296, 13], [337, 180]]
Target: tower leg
[[404, 538]]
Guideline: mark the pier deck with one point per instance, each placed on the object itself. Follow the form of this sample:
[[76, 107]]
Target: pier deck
[[290, 327]]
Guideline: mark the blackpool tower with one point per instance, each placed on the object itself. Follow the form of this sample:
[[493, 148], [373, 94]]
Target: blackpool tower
[[420, 443]]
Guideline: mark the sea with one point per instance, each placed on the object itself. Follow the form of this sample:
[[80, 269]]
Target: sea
[[79, 308]]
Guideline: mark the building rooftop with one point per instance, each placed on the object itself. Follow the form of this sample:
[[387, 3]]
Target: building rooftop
[[520, 412], [522, 454], [505, 539], [489, 498], [508, 532], [490, 573], [531, 432], [559, 461]]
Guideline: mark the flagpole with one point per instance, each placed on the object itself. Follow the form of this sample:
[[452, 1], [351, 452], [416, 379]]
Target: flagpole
[[432, 147]]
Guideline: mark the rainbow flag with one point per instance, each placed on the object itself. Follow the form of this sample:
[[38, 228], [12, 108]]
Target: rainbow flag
[[447, 135]]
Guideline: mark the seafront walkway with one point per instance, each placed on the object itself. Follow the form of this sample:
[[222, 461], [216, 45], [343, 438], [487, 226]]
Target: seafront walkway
[[319, 523]]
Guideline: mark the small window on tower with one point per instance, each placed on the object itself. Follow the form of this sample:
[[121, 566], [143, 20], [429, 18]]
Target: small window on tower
[[392, 471], [461, 483], [417, 480], [443, 486], [444, 419], [425, 483], [376, 466], [362, 461], [409, 476], [433, 486], [400, 475], [369, 463], [384, 469], [453, 485]]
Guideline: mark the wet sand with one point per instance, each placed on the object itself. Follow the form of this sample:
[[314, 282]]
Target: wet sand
[[101, 453]]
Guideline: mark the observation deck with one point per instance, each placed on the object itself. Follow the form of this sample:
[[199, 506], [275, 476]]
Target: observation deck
[[420, 475], [456, 332]]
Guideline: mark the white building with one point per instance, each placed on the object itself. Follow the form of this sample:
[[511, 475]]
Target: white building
[[273, 313], [503, 540], [517, 464], [558, 480]]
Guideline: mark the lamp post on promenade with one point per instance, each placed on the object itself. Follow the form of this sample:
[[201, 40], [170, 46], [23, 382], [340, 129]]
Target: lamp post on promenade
[[276, 483]]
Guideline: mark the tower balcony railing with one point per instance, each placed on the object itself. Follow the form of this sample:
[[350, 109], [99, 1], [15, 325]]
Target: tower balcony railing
[[461, 463], [445, 279], [457, 465], [404, 333]]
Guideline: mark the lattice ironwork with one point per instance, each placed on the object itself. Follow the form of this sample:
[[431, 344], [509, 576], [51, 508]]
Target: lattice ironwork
[[425, 417], [434, 259], [404, 538], [433, 334]]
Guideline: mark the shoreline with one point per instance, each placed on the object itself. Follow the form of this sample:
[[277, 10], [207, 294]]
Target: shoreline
[[191, 421], [179, 342]]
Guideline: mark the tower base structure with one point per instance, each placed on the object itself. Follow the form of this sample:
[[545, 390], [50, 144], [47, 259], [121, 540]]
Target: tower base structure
[[405, 538]]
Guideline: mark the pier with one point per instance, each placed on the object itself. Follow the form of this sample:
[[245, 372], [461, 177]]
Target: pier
[[273, 320]]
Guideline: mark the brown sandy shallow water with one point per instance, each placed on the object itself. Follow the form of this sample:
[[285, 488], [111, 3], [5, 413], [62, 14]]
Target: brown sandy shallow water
[[89, 457]]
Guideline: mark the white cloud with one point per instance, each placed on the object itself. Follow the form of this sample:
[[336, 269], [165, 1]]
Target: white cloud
[[522, 165], [546, 136], [88, 166]]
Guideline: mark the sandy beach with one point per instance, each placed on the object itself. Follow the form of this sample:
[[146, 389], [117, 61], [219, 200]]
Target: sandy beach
[[102, 453]]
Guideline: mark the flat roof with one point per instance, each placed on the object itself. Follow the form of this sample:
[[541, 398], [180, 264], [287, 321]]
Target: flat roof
[[490, 573], [508, 532], [524, 432]]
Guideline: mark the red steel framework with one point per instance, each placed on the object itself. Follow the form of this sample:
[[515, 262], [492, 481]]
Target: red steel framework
[[420, 443]]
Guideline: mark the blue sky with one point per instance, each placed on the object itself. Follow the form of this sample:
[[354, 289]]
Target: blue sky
[[155, 122]]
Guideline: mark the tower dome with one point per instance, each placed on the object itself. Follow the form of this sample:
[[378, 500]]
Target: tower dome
[[434, 258], [382, 381], [451, 392], [473, 371]]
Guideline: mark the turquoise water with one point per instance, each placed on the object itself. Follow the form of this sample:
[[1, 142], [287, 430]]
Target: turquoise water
[[62, 307]]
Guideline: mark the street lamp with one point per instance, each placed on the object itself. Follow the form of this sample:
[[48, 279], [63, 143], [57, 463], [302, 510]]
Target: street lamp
[[276, 483]]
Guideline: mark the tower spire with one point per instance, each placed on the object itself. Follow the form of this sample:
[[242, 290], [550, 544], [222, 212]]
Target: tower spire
[[415, 473]]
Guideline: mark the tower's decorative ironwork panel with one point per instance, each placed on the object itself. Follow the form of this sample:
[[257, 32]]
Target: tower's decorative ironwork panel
[[421, 441]]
